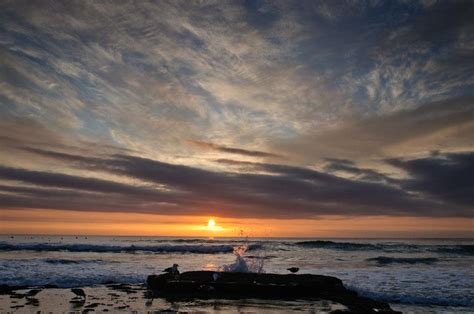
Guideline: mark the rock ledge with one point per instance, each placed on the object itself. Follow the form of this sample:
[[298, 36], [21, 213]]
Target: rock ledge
[[208, 285]]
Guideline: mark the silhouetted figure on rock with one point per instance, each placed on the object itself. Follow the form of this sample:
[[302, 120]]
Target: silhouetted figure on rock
[[172, 270]]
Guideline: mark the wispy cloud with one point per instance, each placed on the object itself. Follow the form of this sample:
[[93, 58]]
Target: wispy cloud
[[233, 150], [86, 85], [444, 125]]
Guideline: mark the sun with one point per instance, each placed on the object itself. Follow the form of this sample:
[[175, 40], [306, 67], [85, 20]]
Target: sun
[[213, 226], [211, 223]]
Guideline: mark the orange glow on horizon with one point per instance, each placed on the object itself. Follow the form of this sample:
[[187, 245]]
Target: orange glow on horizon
[[45, 221]]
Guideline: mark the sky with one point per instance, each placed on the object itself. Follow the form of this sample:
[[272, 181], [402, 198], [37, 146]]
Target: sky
[[276, 118]]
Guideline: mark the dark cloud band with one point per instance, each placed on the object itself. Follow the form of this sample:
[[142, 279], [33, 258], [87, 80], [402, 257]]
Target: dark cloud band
[[270, 190]]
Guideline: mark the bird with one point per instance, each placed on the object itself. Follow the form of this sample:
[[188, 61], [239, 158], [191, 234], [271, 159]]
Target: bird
[[293, 269], [79, 292], [172, 270]]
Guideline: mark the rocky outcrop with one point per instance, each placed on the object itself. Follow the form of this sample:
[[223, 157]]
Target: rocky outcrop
[[208, 284]]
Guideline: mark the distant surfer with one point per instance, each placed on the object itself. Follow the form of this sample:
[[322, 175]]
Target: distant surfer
[[293, 270], [172, 270]]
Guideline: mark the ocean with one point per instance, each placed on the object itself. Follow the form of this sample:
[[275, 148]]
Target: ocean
[[422, 275]]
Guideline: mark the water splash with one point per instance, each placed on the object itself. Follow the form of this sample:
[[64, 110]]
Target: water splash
[[242, 265]]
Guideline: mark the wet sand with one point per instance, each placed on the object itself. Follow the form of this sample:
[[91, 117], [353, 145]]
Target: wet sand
[[134, 298]]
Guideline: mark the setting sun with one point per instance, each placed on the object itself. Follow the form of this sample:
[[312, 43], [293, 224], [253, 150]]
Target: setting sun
[[211, 223], [212, 226]]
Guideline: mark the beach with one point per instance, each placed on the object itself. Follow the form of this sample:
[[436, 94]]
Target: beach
[[108, 299], [102, 298], [419, 276]]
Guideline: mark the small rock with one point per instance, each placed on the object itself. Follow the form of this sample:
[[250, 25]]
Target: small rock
[[92, 305], [16, 306], [33, 301]]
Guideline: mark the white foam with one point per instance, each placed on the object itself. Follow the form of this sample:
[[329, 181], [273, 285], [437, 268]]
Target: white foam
[[241, 265], [200, 248]]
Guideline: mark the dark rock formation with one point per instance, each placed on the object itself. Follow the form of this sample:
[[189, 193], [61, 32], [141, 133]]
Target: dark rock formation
[[206, 284]]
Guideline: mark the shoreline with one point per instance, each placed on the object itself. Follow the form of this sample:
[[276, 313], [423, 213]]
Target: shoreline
[[399, 273], [120, 297], [129, 298]]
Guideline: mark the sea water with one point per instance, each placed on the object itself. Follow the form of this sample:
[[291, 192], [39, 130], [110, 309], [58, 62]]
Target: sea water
[[435, 275]]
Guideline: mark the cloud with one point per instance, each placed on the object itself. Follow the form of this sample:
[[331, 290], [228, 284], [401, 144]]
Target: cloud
[[443, 125], [245, 73], [448, 177], [64, 181], [347, 167], [268, 190], [233, 150], [105, 95]]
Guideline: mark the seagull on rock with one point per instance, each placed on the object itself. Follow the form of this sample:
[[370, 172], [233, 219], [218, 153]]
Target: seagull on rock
[[293, 269], [172, 270]]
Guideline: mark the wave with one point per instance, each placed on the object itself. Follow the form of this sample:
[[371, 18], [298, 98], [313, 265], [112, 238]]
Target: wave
[[61, 261], [195, 240], [385, 260], [337, 245], [199, 249], [190, 240], [461, 249], [415, 300]]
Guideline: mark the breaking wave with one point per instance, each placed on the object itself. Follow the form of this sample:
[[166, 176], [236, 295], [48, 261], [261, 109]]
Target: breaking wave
[[337, 245], [192, 240], [199, 249], [465, 249], [61, 261], [385, 260], [418, 300], [462, 249]]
